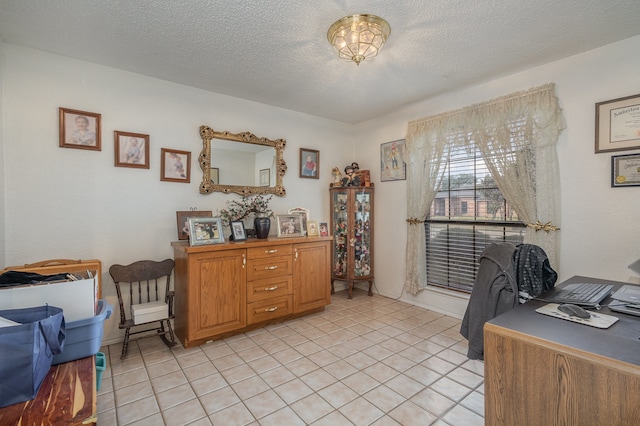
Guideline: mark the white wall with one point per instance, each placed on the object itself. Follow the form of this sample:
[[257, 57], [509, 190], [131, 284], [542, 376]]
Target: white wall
[[2, 181], [600, 232], [72, 203], [69, 203]]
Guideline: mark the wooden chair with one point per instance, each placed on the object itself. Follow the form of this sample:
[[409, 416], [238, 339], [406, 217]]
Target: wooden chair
[[145, 280]]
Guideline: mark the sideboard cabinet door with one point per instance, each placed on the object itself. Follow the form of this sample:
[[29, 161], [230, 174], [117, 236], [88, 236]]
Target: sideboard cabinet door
[[218, 291], [311, 276]]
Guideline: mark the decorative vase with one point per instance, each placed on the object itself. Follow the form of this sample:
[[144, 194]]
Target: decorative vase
[[262, 225]]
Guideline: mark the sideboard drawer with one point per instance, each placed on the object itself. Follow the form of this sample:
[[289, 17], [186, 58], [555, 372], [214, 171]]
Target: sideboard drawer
[[273, 251], [269, 309], [269, 288], [258, 269]]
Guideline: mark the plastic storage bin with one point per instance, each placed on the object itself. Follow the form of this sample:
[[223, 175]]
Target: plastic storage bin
[[84, 337]]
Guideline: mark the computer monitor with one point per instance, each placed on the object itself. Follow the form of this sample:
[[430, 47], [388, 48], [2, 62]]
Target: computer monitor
[[635, 266]]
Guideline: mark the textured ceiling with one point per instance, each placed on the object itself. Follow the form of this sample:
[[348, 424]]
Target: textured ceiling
[[276, 52]]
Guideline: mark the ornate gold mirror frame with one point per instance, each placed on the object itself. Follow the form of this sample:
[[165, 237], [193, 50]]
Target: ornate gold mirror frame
[[207, 186]]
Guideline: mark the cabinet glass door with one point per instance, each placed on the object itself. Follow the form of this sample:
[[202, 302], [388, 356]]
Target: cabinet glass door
[[340, 233], [362, 235]]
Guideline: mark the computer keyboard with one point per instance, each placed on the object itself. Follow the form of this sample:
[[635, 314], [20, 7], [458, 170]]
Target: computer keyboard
[[583, 293]]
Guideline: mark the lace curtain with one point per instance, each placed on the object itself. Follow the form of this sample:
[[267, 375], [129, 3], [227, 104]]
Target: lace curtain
[[517, 135]]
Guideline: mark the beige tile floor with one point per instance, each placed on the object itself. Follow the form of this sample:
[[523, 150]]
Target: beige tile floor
[[363, 361]]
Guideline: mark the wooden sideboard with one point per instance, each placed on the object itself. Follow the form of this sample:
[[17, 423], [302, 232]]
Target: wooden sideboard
[[224, 289]]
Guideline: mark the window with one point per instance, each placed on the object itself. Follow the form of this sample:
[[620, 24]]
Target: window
[[468, 213]]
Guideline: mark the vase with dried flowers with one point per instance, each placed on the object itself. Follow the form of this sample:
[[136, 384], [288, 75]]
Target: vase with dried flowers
[[257, 205]]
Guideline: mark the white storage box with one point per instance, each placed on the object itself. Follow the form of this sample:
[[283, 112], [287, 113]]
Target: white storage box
[[147, 312], [76, 298]]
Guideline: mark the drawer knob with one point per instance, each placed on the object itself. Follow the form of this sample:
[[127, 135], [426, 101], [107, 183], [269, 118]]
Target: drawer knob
[[270, 268], [275, 308], [271, 251], [275, 287]]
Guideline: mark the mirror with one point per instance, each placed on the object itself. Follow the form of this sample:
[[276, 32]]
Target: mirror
[[242, 163]]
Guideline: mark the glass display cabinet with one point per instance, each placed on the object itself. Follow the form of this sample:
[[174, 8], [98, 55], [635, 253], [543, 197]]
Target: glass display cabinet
[[352, 228]]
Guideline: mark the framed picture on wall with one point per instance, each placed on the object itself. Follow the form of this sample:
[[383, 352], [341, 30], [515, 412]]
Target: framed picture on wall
[[79, 129], [265, 177], [392, 165], [131, 149], [625, 170], [618, 124], [176, 165], [182, 218], [215, 175], [309, 163]]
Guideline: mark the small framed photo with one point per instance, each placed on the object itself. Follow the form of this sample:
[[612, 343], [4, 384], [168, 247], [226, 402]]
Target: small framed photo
[[176, 165], [265, 177], [182, 219], [205, 230], [305, 216], [618, 124], [237, 230], [392, 165], [312, 228], [309, 163], [289, 225], [131, 149], [324, 229], [215, 175], [625, 170], [79, 129]]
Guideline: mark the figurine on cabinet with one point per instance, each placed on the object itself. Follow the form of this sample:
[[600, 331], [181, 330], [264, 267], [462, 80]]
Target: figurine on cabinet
[[337, 176], [351, 177]]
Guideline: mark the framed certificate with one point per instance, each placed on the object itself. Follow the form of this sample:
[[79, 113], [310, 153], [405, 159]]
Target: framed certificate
[[625, 170], [618, 124]]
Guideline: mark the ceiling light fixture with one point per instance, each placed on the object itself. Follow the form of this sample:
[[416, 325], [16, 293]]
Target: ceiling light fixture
[[358, 37]]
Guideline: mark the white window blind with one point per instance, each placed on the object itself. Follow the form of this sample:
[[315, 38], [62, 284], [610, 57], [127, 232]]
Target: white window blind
[[468, 213]]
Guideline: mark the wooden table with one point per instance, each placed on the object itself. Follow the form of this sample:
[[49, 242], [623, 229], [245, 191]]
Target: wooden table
[[541, 370], [67, 396]]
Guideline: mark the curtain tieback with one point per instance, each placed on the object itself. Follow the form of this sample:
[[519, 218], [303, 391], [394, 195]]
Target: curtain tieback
[[414, 221], [543, 227]]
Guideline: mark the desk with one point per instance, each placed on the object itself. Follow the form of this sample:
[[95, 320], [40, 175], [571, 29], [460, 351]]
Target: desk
[[541, 370], [67, 396]]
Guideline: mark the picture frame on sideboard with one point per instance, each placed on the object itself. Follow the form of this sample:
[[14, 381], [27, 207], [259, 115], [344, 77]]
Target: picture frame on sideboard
[[205, 230], [183, 222], [290, 225], [237, 230]]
